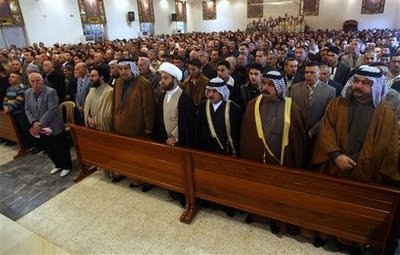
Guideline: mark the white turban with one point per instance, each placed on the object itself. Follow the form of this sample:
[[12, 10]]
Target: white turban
[[219, 85], [171, 69]]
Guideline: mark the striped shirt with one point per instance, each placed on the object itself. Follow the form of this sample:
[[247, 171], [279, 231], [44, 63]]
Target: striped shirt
[[14, 99]]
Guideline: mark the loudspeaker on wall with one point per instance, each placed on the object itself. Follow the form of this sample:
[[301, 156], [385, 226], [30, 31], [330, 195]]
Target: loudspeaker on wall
[[131, 16], [174, 17]]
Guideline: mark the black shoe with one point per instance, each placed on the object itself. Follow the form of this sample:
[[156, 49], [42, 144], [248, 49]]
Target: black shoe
[[117, 178], [354, 250], [249, 219], [230, 212], [133, 185], [293, 230], [10, 143], [2, 140], [275, 227], [146, 188], [35, 151], [319, 241]]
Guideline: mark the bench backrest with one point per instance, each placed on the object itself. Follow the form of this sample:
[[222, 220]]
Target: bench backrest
[[360, 212]]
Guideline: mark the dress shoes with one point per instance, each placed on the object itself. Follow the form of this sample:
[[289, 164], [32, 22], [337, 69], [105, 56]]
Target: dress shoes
[[117, 178], [319, 241], [55, 170], [146, 188], [65, 172], [275, 227], [10, 143]]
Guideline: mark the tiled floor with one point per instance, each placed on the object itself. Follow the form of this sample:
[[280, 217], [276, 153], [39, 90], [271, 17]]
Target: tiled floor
[[7, 153], [96, 216]]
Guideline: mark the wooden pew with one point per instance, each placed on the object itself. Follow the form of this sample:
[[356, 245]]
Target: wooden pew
[[145, 161], [363, 213], [9, 131]]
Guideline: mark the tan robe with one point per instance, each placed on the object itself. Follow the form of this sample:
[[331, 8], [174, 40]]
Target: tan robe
[[98, 105], [134, 117], [378, 155]]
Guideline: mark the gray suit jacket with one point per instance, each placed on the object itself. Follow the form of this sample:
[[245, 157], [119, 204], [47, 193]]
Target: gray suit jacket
[[44, 109], [323, 94], [82, 91]]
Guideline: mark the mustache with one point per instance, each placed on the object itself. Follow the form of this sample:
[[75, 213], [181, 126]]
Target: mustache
[[264, 91]]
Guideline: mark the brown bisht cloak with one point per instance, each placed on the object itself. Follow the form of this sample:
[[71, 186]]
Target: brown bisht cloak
[[252, 147], [133, 116], [378, 156]]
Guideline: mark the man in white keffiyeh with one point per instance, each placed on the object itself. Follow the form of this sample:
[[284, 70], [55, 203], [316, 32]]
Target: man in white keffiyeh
[[359, 132]]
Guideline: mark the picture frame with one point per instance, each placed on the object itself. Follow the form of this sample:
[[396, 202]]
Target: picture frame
[[372, 6], [92, 11], [146, 11], [255, 9], [209, 9]]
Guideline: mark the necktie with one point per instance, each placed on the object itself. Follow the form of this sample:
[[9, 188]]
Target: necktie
[[310, 94], [355, 62]]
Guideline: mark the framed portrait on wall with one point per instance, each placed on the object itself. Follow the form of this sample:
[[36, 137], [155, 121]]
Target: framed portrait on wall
[[146, 10], [92, 11], [209, 10], [309, 8], [10, 13], [180, 10], [372, 6], [255, 9]]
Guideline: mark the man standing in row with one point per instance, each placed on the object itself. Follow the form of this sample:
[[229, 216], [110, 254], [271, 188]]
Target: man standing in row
[[133, 104], [42, 111], [312, 97], [359, 132], [273, 129], [219, 120], [175, 112]]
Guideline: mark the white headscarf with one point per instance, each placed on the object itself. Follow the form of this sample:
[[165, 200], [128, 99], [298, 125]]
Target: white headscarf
[[131, 63], [279, 83], [378, 88], [219, 85]]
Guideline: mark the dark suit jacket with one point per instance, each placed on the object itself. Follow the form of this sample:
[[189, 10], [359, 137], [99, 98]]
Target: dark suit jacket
[[56, 81], [44, 109], [312, 113], [341, 74]]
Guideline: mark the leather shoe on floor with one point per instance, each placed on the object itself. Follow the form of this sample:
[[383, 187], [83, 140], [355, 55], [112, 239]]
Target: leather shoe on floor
[[55, 170], [117, 178], [275, 227], [65, 172], [319, 241], [146, 188], [10, 143]]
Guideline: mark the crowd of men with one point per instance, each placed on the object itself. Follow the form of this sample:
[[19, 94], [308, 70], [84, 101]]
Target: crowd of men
[[323, 101]]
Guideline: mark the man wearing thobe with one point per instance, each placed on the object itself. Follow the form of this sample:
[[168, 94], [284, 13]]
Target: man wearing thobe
[[219, 120]]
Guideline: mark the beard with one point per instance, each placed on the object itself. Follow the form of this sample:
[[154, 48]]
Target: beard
[[168, 86], [96, 84]]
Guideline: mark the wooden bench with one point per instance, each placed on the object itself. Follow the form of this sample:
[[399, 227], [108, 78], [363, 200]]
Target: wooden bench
[[9, 131], [363, 213], [145, 161]]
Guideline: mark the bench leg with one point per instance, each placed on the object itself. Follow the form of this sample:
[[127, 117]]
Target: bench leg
[[84, 172], [189, 213]]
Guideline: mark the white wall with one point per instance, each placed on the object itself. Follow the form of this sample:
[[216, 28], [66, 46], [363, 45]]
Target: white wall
[[332, 14], [231, 15], [51, 21], [117, 26], [162, 13]]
